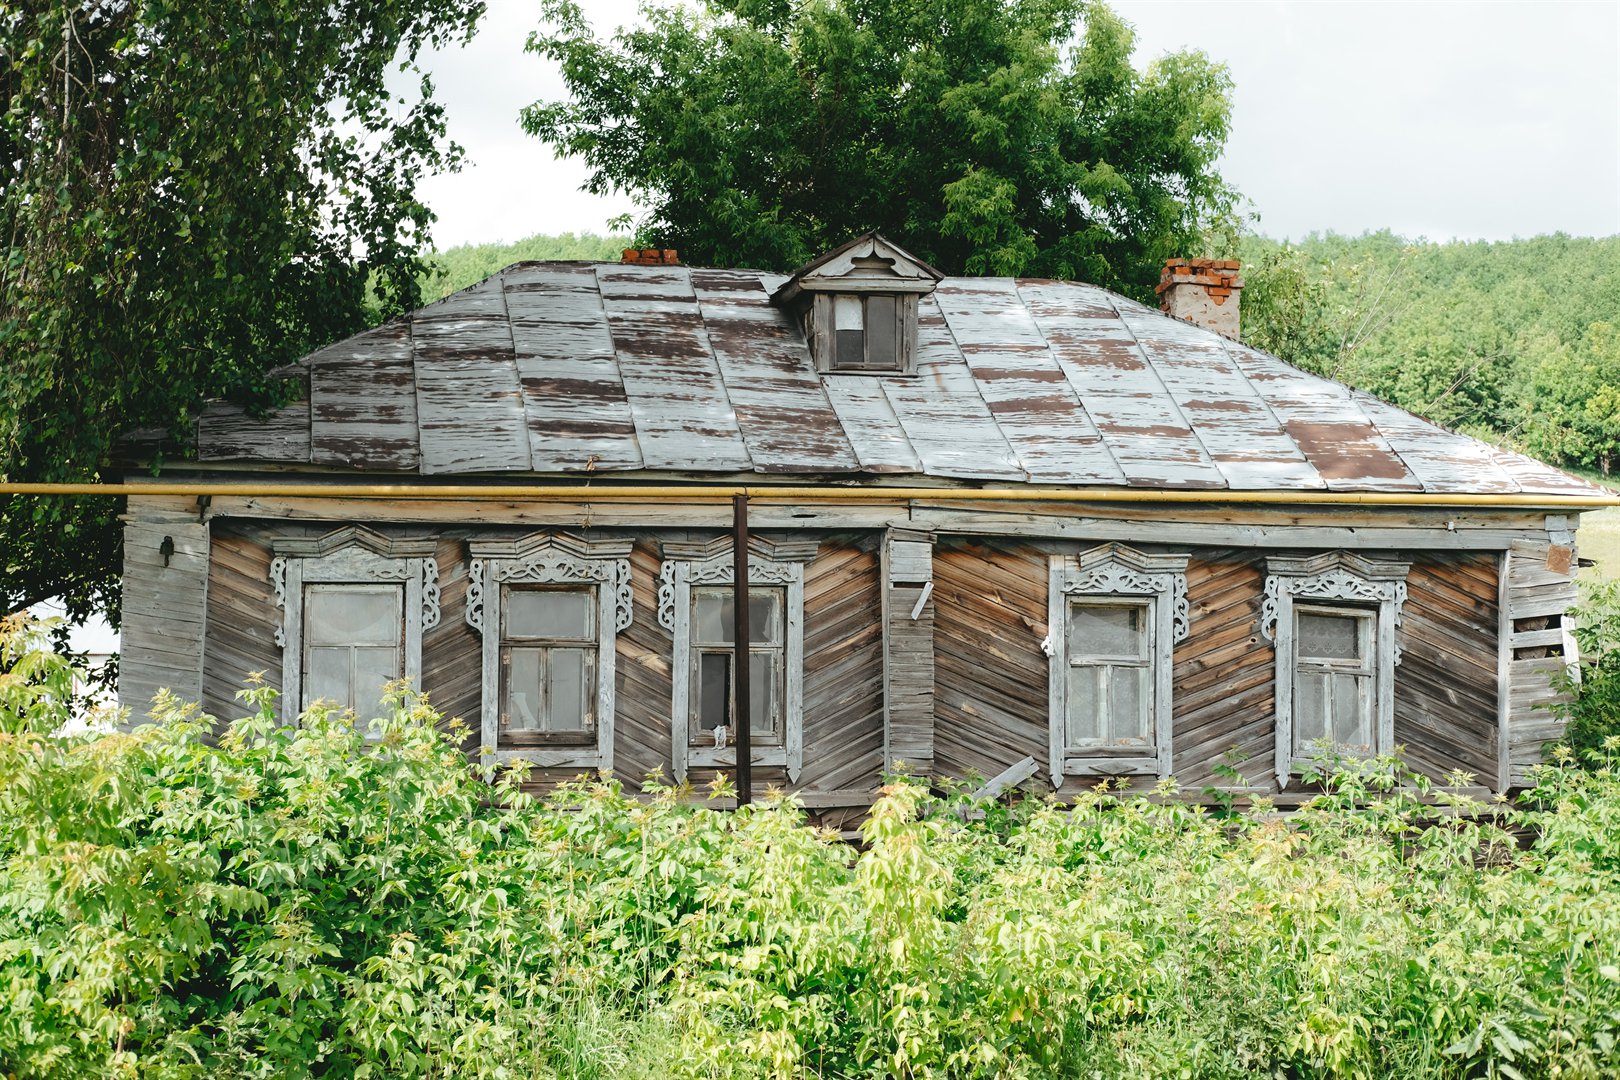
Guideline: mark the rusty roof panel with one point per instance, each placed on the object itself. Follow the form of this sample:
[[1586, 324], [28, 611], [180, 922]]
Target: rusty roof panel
[[684, 418], [225, 432], [1028, 393], [469, 407], [575, 406], [942, 413], [874, 432], [1441, 460], [363, 402], [578, 367], [1122, 390], [1322, 417], [781, 405], [1237, 428]]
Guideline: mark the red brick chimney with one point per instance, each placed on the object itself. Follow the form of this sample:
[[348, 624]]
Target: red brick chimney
[[1203, 292], [650, 257]]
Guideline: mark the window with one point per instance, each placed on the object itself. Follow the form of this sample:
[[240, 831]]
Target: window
[[697, 605], [866, 333], [1115, 615], [355, 605], [549, 608], [714, 664], [1333, 621]]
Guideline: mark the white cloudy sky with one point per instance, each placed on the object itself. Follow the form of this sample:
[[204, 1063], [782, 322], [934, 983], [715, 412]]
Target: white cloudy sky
[[1460, 119]]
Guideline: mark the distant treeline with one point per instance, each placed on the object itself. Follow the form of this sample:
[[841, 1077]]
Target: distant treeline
[[1517, 342]]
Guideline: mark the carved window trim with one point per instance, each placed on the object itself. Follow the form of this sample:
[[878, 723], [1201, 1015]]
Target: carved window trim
[[1115, 571], [549, 558], [353, 555], [1335, 579], [778, 563]]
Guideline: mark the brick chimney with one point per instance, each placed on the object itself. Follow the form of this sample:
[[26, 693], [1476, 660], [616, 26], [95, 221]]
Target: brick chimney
[[1203, 292], [650, 257]]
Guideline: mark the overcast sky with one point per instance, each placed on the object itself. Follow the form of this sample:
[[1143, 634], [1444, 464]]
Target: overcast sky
[[1444, 120]]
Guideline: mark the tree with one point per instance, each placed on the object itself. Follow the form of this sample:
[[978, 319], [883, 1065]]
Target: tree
[[988, 136], [190, 194]]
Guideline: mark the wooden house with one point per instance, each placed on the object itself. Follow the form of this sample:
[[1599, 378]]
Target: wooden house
[[990, 519]]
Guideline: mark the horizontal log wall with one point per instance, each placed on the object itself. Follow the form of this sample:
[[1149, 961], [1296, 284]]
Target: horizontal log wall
[[242, 615]]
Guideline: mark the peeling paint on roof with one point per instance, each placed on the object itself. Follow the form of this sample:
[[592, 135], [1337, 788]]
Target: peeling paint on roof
[[559, 368]]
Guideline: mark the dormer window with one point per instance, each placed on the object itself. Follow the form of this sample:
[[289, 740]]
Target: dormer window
[[858, 306]]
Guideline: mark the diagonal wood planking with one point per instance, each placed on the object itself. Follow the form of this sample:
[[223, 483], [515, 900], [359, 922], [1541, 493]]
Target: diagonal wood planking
[[467, 398], [574, 401], [1027, 392], [684, 418], [781, 406]]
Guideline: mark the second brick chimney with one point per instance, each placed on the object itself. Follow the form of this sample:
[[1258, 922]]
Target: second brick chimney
[[650, 257], [1203, 292]]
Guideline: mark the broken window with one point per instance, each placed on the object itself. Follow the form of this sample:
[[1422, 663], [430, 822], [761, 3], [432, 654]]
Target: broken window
[[714, 665]]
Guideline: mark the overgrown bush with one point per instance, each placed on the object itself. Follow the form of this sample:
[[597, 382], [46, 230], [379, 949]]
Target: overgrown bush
[[299, 901], [1593, 706]]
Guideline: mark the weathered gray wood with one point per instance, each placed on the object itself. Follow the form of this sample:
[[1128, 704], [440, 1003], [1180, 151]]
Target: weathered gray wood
[[362, 395], [226, 432], [165, 607], [869, 421], [1007, 779]]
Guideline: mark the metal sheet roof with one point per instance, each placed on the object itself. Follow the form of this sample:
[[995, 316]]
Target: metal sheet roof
[[558, 368]]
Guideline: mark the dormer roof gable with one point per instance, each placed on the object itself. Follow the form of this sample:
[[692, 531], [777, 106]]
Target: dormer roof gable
[[870, 263]]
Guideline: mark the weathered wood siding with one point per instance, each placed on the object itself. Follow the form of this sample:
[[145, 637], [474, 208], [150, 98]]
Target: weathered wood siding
[[1225, 674], [452, 651], [990, 679], [164, 607], [843, 668], [1540, 590], [242, 617], [1446, 682], [645, 664]]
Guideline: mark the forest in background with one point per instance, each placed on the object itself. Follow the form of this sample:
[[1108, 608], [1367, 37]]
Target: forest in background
[[1517, 342]]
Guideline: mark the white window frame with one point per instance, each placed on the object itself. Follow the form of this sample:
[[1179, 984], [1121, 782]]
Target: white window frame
[[1346, 581], [770, 563], [550, 559], [351, 556], [1115, 572]]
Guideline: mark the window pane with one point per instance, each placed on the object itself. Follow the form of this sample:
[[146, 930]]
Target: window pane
[[525, 680], [1310, 709], [1084, 722], [567, 691], [328, 676], [1107, 630], [1329, 637], [851, 349], [372, 668], [551, 613], [882, 338], [847, 314], [1127, 706], [714, 690], [352, 615], [1352, 714], [765, 693], [713, 616]]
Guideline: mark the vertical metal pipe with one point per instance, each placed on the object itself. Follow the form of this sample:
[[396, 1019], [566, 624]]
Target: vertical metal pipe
[[742, 704]]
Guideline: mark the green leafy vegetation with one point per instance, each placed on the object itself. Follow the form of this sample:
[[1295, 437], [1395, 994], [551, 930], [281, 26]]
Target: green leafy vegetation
[[190, 194], [1516, 342], [987, 136], [456, 268], [300, 901]]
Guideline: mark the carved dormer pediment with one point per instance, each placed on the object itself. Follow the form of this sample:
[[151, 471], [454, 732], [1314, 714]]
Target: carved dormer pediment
[[858, 306]]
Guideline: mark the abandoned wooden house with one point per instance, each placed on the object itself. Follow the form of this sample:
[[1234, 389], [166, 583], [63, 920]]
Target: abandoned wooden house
[[990, 519]]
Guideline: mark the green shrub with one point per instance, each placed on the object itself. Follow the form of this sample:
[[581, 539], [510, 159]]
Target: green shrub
[[299, 901], [1593, 706]]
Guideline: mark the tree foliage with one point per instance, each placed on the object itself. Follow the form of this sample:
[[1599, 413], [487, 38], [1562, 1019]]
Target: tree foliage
[[190, 194], [988, 136]]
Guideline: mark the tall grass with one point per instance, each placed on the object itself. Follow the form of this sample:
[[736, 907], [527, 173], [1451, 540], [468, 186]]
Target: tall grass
[[297, 901]]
